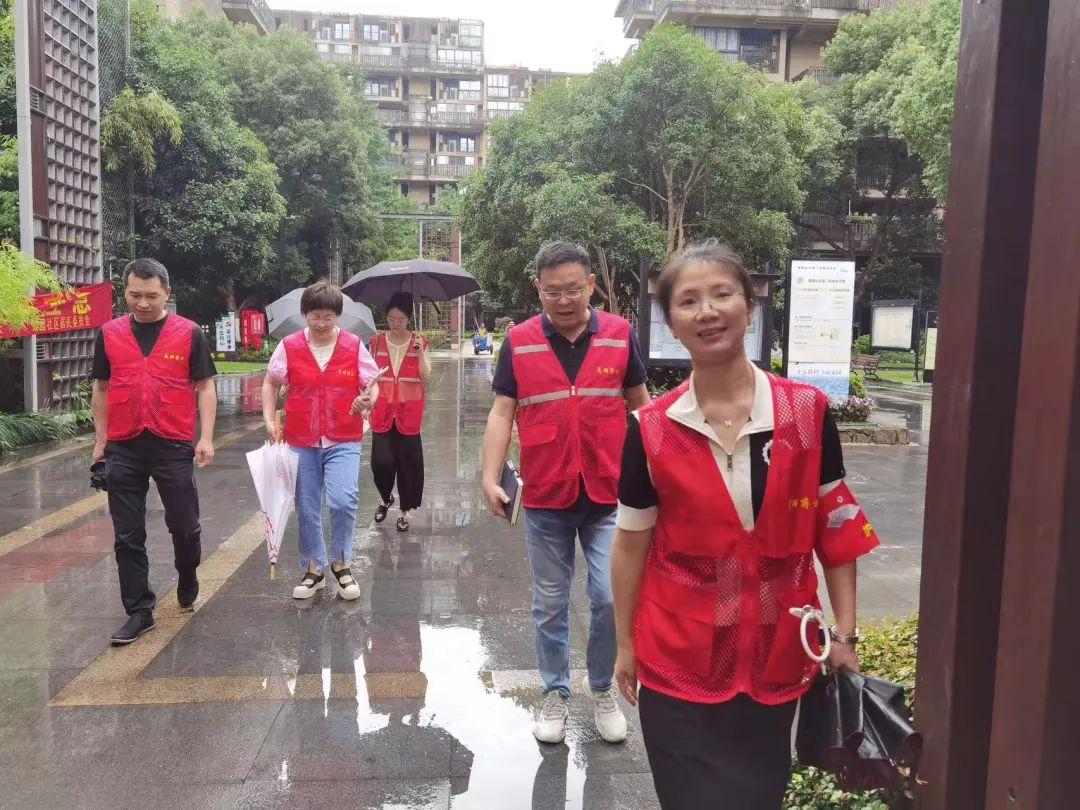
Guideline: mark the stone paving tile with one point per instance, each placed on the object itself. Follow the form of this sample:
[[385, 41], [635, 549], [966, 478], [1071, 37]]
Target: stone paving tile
[[27, 643], [213, 742], [335, 740], [366, 794]]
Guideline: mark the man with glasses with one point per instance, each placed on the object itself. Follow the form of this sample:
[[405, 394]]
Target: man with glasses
[[564, 376]]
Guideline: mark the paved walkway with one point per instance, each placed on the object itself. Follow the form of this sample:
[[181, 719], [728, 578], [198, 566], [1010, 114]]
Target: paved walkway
[[418, 695]]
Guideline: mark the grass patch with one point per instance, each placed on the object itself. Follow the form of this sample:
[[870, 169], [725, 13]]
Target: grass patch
[[231, 367], [898, 375]]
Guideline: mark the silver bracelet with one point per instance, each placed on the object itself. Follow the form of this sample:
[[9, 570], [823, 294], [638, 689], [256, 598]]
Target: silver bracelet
[[841, 638]]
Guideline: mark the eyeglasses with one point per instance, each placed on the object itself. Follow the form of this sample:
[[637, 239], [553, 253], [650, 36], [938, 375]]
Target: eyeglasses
[[569, 295], [717, 301]]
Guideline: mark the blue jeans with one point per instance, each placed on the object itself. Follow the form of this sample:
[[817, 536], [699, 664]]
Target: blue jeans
[[337, 471], [550, 536]]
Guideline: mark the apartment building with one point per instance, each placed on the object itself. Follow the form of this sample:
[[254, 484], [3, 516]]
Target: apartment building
[[431, 86], [783, 38], [250, 12]]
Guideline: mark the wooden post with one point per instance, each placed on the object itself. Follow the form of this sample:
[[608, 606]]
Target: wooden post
[[1034, 745], [984, 278]]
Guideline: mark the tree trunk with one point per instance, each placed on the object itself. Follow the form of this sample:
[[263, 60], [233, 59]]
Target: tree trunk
[[608, 281], [228, 292]]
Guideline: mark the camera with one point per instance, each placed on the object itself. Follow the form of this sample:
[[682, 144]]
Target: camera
[[99, 475]]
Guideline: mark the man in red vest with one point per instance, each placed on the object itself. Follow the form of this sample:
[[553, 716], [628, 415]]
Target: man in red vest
[[565, 376], [152, 373]]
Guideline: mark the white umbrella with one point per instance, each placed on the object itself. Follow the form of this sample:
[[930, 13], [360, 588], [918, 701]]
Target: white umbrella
[[283, 317], [273, 469]]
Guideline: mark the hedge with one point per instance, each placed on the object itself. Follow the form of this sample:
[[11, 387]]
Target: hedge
[[21, 429]]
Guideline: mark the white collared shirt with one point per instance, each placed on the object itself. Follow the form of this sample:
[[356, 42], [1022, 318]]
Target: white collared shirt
[[739, 478]]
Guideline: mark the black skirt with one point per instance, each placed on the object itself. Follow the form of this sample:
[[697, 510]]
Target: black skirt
[[717, 756]]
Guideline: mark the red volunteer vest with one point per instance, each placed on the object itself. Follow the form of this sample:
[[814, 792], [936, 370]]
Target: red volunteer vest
[[712, 618], [570, 432], [152, 393], [319, 402], [402, 395]]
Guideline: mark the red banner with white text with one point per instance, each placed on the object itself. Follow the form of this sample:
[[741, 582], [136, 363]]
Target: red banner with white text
[[68, 310]]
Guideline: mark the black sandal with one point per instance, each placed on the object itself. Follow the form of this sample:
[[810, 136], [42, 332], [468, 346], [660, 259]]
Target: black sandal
[[383, 508], [402, 524]]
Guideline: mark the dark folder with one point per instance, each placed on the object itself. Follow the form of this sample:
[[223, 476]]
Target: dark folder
[[514, 487]]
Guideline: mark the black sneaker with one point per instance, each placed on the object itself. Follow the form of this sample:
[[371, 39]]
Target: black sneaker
[[187, 590], [135, 626]]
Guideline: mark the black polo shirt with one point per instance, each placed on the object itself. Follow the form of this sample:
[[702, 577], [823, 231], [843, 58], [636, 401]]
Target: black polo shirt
[[571, 355]]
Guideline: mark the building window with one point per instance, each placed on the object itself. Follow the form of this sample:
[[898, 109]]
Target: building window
[[756, 47], [723, 40], [458, 143], [382, 88], [498, 85], [341, 30], [460, 57], [376, 32], [461, 90]]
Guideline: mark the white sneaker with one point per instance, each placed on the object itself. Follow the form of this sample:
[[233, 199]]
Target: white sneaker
[[309, 585], [550, 724], [348, 588], [609, 719]]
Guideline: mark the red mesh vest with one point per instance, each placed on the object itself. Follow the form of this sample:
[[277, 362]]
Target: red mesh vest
[[570, 432], [152, 393], [402, 395], [319, 402], [712, 619]]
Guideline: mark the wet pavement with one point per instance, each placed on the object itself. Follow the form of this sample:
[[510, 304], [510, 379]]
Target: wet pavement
[[418, 695]]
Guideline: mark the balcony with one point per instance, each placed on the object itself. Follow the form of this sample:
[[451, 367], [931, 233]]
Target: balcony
[[251, 12], [821, 75], [376, 62], [419, 164], [390, 118], [638, 16], [857, 235], [796, 10]]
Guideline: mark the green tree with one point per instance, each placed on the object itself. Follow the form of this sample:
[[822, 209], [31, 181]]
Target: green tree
[[9, 189], [898, 76], [19, 274], [133, 129], [7, 68], [210, 207], [319, 131], [670, 144]]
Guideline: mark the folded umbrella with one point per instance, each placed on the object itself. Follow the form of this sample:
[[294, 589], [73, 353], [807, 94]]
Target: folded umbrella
[[284, 318], [857, 727], [273, 469], [424, 279]]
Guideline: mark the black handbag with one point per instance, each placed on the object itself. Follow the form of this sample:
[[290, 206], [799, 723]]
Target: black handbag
[[858, 728]]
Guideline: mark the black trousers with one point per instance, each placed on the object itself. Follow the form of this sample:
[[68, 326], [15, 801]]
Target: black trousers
[[398, 458], [723, 756], [131, 465]]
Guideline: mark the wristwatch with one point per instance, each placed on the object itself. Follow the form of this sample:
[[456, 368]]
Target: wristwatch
[[841, 638]]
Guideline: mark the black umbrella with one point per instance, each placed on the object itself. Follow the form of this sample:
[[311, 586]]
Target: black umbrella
[[857, 727], [424, 279]]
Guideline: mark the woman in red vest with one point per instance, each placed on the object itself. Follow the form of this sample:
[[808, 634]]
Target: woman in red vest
[[328, 372], [730, 484], [397, 453]]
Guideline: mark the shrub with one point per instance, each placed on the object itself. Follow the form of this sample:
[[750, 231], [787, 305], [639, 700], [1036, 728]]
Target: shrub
[[887, 650], [862, 345], [258, 355], [776, 365], [663, 378], [21, 429], [857, 386], [851, 409], [437, 338], [503, 324]]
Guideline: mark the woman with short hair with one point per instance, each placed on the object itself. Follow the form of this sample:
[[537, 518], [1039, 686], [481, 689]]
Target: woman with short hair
[[730, 484], [328, 372], [397, 451]]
